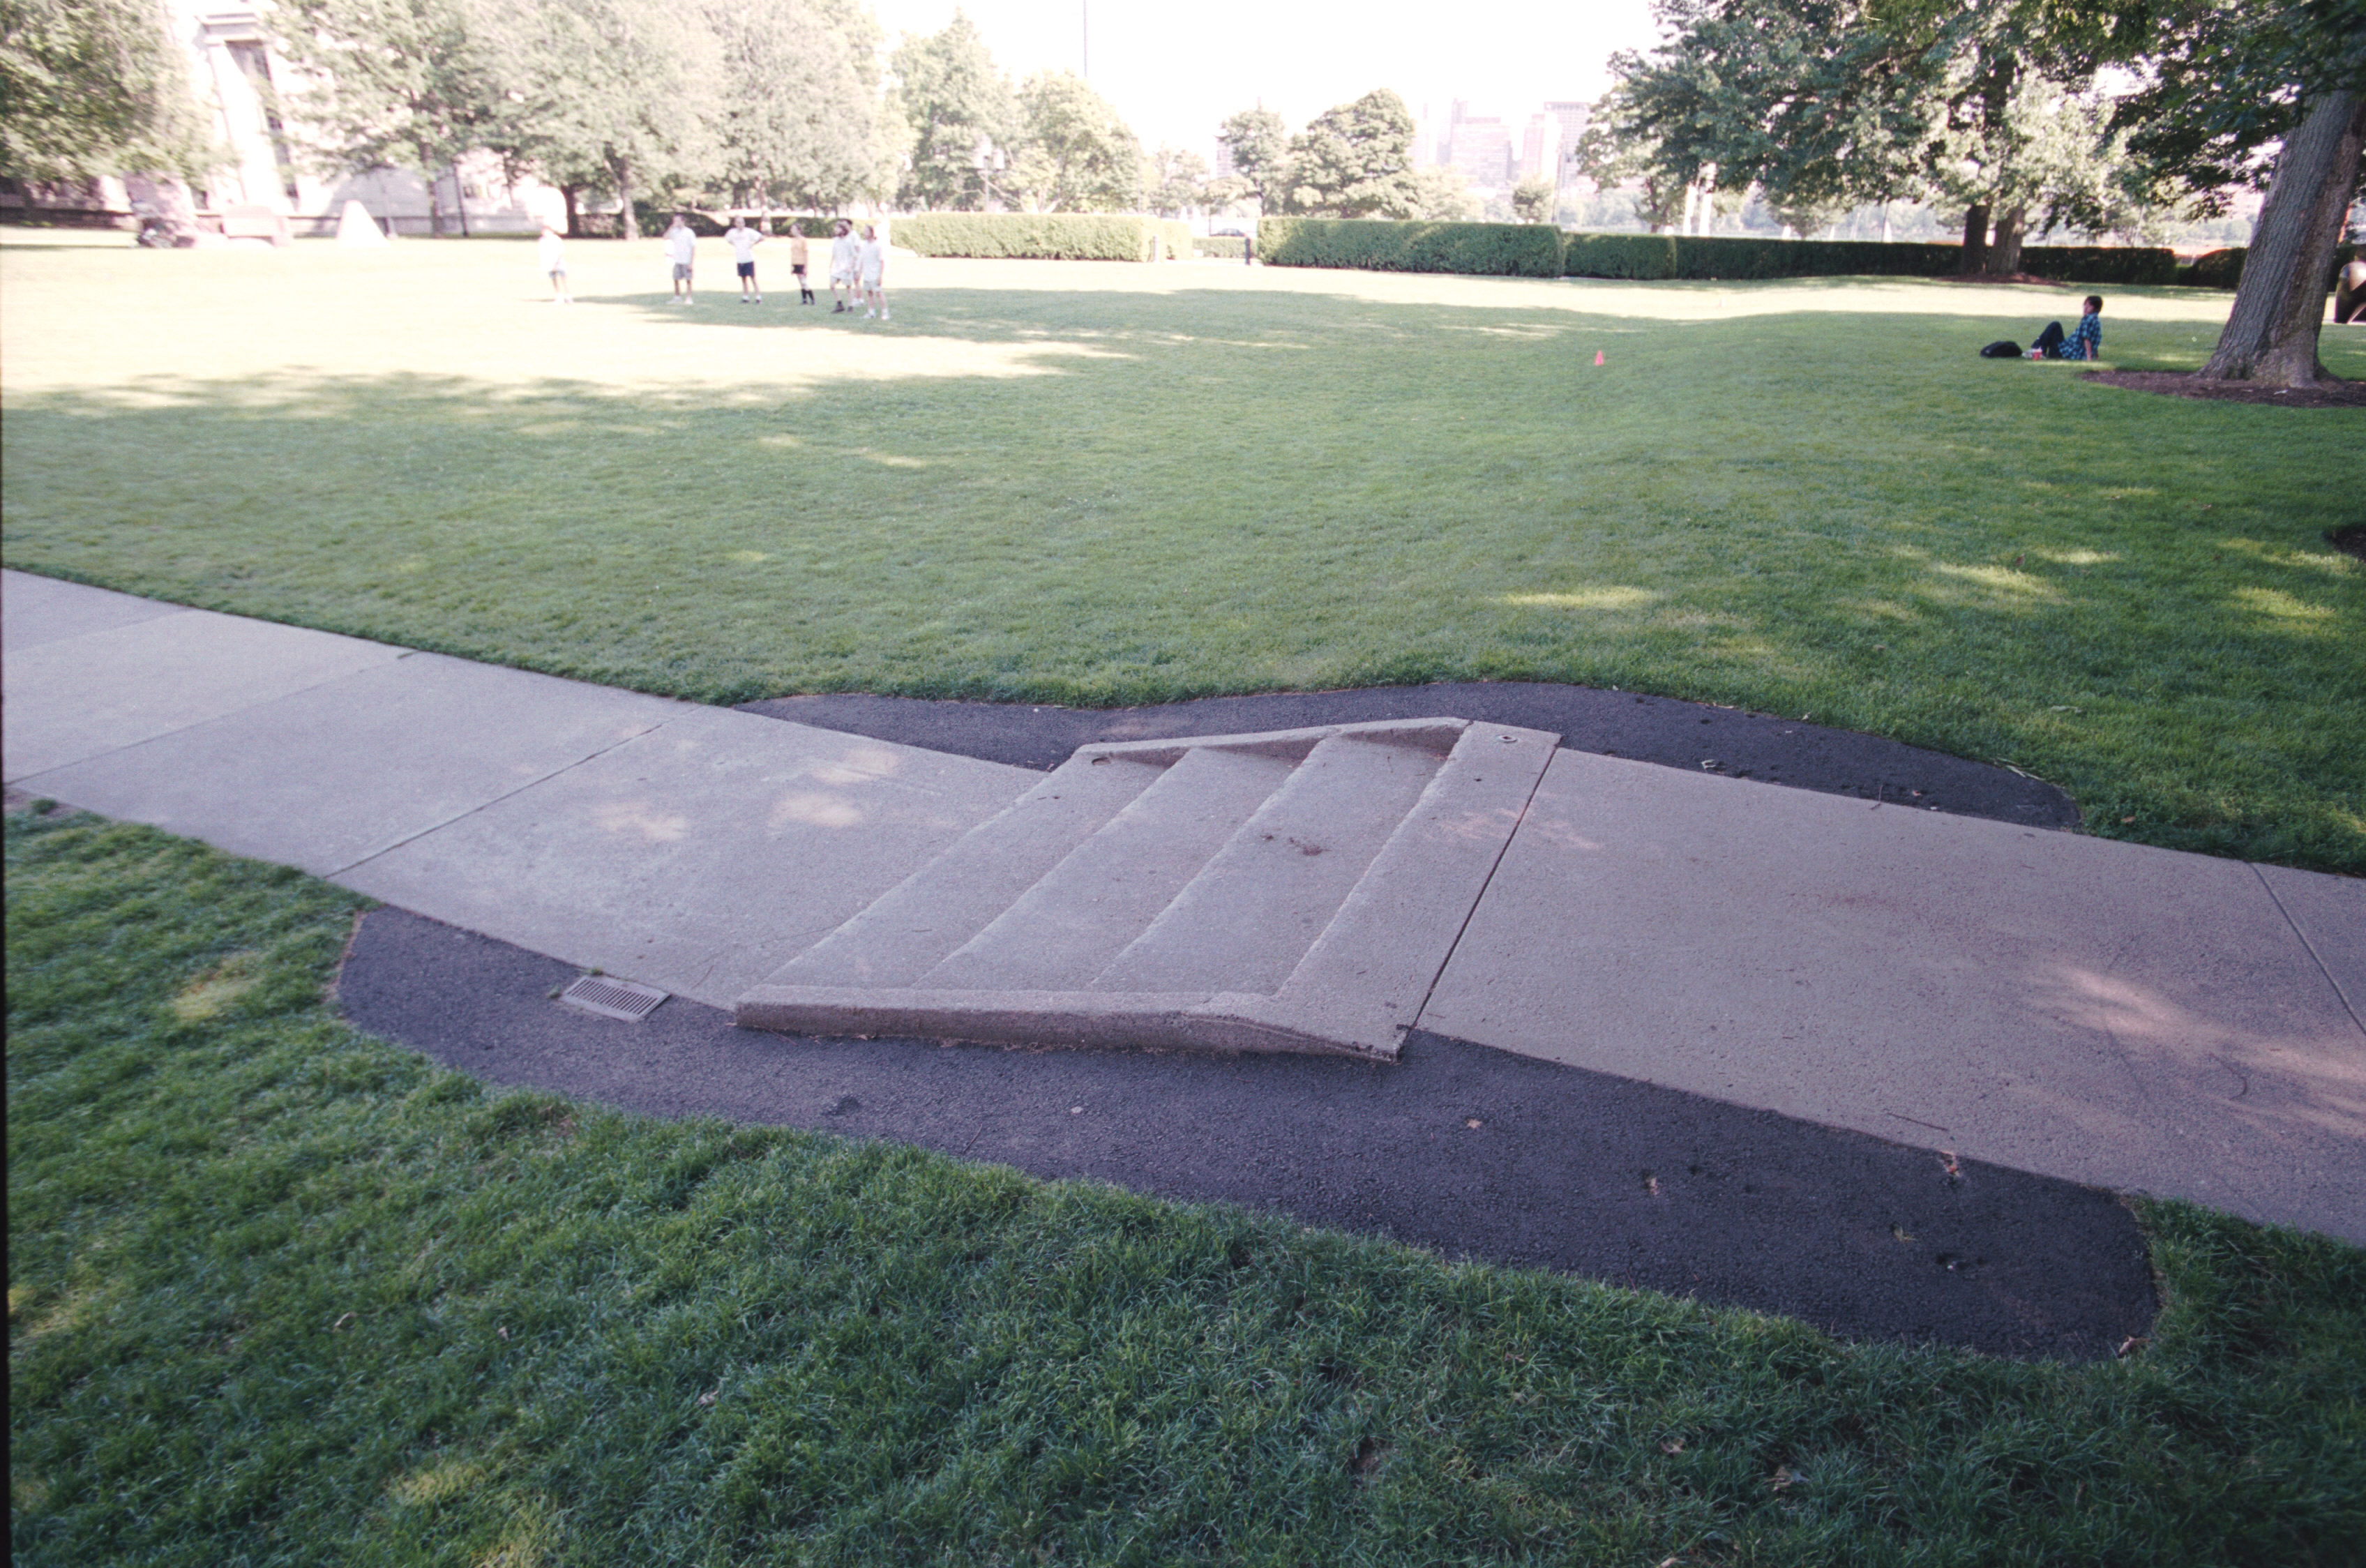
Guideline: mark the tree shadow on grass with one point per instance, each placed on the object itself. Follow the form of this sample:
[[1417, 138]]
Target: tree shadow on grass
[[1118, 498]]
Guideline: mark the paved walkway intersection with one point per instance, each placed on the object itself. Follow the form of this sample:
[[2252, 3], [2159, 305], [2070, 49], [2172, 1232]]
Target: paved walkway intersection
[[2076, 1007]]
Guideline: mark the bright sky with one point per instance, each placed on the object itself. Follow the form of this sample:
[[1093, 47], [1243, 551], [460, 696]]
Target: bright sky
[[1174, 70]]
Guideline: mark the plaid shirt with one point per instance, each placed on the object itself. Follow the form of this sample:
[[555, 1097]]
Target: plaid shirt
[[2085, 339]]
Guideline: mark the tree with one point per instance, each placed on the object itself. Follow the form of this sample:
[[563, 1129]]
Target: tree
[[395, 83], [1355, 161], [94, 87], [798, 121], [1177, 182], [1618, 148], [2225, 82], [1532, 201], [1825, 104], [618, 97], [1075, 155], [1442, 194], [961, 116], [1259, 144]]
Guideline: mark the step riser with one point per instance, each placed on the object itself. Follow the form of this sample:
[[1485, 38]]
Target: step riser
[[1033, 1018], [931, 913], [1066, 929], [1191, 917], [1248, 917], [1365, 980]]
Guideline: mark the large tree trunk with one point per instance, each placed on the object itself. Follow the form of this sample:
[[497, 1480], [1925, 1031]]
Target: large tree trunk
[[1975, 240], [627, 227], [2271, 332], [574, 218], [2004, 251], [435, 201]]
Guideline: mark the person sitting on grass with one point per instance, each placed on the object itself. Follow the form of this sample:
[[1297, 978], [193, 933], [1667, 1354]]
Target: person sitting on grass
[[2085, 339]]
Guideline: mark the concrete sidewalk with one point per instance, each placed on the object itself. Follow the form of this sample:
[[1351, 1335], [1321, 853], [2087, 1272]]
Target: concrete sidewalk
[[2076, 1007]]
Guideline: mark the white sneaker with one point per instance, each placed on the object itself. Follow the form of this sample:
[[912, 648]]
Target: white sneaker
[[882, 315], [870, 315], [759, 299]]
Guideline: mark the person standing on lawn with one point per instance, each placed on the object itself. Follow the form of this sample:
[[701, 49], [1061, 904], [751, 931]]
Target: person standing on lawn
[[872, 265], [841, 267], [743, 241], [797, 265], [2085, 339], [550, 251], [682, 249]]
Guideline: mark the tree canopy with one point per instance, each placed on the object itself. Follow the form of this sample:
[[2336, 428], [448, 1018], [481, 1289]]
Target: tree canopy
[[1356, 160], [963, 116], [94, 87], [1075, 155], [409, 83], [798, 121], [1258, 141]]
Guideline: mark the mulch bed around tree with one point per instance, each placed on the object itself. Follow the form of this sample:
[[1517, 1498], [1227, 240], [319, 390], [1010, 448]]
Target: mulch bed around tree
[[2326, 394], [2349, 539]]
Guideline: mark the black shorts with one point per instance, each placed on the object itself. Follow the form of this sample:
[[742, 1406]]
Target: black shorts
[[798, 267], [747, 269]]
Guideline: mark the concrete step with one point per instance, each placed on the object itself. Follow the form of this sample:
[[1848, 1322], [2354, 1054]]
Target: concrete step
[[912, 928], [1083, 912], [1247, 919], [1296, 890]]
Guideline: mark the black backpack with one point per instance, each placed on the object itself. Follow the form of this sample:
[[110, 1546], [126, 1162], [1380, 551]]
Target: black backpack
[[2002, 349]]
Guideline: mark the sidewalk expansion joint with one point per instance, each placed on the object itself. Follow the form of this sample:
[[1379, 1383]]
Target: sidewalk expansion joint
[[2314, 957], [1467, 915], [496, 800]]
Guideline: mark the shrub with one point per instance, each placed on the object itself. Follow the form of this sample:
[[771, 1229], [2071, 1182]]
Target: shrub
[[1619, 255], [1230, 247], [1042, 236], [657, 217], [1175, 237], [2224, 269], [2101, 263], [2214, 269], [1751, 255], [1498, 250]]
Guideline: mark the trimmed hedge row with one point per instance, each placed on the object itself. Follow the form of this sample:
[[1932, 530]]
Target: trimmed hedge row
[[1044, 236], [1523, 250], [1225, 247], [1500, 250], [2224, 269], [2101, 263]]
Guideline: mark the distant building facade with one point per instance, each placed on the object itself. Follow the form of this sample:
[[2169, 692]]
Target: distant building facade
[[1479, 145], [244, 85], [249, 95]]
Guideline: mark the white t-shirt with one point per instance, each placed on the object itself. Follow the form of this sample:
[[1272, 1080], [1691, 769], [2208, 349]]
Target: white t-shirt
[[552, 249], [841, 256], [681, 244], [743, 242], [874, 260]]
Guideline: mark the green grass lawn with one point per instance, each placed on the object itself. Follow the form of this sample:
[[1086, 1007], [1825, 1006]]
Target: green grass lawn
[[282, 1293], [1096, 483]]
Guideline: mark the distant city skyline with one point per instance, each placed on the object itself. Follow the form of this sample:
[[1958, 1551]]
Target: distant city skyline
[[1174, 71]]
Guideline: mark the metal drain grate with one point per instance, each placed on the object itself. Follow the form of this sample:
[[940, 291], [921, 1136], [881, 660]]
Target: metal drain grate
[[628, 999]]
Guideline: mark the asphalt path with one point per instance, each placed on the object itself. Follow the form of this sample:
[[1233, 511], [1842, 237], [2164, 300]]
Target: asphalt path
[[1697, 737], [1457, 1149]]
